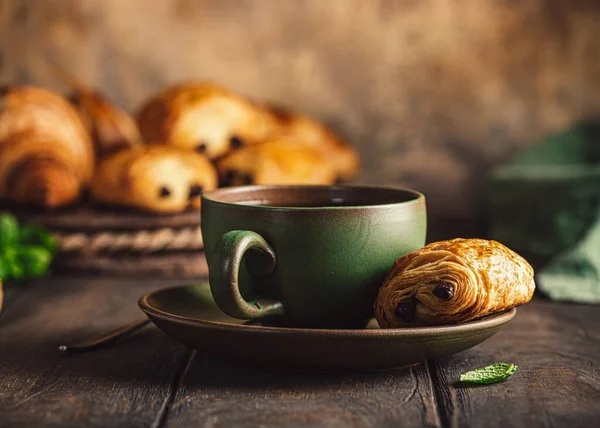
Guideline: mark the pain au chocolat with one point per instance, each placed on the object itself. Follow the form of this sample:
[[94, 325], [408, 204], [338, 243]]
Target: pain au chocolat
[[203, 117], [312, 133], [277, 161], [155, 178], [453, 282]]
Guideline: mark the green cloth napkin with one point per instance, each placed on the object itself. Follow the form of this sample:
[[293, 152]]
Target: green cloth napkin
[[545, 204], [575, 274]]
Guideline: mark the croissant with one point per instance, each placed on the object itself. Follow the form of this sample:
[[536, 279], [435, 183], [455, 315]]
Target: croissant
[[111, 127], [46, 154], [307, 131], [154, 178], [452, 282], [203, 117], [277, 161]]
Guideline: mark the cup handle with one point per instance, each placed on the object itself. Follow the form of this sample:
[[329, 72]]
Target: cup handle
[[224, 269]]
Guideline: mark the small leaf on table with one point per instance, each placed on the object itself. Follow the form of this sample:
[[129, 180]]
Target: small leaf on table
[[490, 374]]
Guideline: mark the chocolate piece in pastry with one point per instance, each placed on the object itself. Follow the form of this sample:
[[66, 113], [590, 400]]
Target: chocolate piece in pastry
[[46, 154], [203, 117], [452, 282], [310, 132], [275, 162], [159, 179]]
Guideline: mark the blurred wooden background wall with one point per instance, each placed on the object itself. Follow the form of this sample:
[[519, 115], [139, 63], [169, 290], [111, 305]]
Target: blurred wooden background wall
[[433, 92]]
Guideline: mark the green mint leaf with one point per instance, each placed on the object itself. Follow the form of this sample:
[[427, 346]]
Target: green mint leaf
[[35, 235], [490, 374], [9, 230], [25, 253], [33, 260], [13, 268], [24, 262], [3, 269]]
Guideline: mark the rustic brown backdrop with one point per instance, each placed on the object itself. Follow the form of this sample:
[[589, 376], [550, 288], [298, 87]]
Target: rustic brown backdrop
[[433, 92]]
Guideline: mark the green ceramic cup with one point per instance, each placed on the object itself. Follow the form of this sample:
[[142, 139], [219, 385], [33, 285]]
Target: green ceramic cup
[[315, 255]]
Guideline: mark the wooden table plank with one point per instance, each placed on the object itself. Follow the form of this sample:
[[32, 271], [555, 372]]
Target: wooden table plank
[[128, 385], [214, 393], [557, 349], [152, 381]]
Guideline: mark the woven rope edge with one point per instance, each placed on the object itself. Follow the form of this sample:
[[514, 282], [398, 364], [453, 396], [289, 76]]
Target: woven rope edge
[[143, 241]]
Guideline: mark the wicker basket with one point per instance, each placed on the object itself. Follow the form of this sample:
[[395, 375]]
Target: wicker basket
[[102, 240]]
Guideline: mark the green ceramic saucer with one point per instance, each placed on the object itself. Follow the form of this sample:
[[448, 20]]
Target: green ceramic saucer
[[189, 315]]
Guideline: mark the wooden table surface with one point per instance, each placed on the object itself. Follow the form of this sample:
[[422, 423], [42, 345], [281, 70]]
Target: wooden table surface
[[152, 381]]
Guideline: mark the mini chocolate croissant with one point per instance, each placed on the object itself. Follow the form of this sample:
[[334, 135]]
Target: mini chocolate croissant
[[203, 117], [46, 154], [310, 132], [154, 178], [453, 282], [275, 162]]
